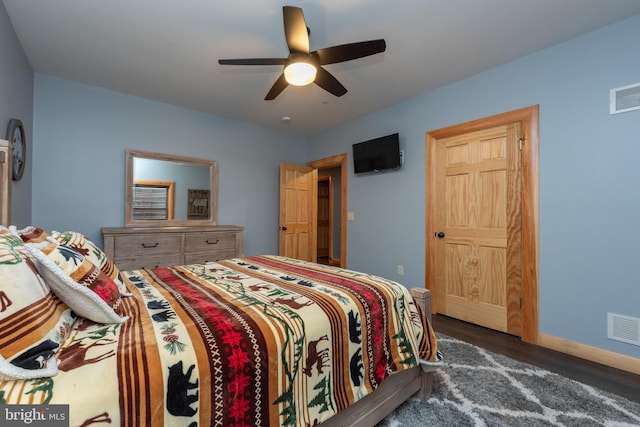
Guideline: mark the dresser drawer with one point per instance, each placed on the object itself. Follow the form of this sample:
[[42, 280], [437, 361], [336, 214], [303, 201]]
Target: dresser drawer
[[141, 245], [205, 257], [210, 241], [148, 262]]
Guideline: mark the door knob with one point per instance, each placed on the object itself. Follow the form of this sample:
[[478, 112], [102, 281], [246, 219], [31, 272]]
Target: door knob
[[283, 228], [440, 235]]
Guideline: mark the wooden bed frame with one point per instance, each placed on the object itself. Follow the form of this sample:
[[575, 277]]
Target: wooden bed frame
[[394, 390], [367, 411]]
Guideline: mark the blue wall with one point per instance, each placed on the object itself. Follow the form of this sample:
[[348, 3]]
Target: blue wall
[[589, 178], [16, 102], [81, 135]]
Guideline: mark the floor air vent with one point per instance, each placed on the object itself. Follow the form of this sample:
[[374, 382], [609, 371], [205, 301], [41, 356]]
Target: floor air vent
[[623, 328], [623, 99]]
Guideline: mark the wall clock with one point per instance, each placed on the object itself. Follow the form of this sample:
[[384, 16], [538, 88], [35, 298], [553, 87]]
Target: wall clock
[[15, 134]]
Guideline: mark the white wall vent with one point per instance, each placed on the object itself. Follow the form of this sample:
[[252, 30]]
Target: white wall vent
[[625, 98], [623, 328]]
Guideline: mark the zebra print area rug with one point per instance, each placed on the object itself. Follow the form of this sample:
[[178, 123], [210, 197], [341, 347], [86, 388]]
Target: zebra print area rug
[[477, 388]]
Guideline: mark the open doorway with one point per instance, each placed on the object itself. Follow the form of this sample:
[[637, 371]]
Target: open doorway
[[333, 171], [325, 205]]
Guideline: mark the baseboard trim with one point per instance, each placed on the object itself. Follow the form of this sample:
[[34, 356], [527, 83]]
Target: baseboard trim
[[594, 354]]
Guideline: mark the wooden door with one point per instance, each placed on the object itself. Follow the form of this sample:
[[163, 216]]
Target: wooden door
[[298, 211], [325, 216], [478, 259]]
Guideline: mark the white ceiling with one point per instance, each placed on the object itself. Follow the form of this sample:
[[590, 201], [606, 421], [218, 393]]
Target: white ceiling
[[167, 50]]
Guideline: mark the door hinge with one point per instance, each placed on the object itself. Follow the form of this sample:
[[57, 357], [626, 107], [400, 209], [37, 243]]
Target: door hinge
[[521, 141], [521, 303]]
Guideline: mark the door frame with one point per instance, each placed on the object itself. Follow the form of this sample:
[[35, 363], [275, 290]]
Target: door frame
[[529, 117], [339, 160]]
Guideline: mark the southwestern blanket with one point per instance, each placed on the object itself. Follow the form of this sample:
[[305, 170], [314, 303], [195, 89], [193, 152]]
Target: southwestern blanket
[[256, 341]]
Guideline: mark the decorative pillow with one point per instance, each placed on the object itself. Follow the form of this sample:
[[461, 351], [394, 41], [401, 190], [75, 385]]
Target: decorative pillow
[[90, 250], [33, 320], [78, 282], [30, 234]]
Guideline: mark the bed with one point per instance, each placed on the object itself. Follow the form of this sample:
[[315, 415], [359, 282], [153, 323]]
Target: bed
[[263, 340]]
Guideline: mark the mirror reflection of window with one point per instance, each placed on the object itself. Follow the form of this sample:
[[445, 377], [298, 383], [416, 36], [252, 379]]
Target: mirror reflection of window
[[153, 199]]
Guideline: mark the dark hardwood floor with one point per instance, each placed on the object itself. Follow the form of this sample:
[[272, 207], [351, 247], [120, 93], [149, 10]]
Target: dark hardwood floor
[[323, 260], [616, 381]]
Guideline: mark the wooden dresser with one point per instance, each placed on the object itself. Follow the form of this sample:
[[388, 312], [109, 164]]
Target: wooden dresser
[[131, 248]]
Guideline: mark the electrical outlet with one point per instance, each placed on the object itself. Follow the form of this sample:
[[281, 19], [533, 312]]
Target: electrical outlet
[[400, 269], [351, 216]]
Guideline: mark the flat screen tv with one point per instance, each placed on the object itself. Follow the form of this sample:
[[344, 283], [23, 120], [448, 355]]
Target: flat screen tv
[[377, 154]]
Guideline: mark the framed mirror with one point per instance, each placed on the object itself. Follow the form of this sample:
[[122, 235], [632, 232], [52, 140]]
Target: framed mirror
[[169, 190]]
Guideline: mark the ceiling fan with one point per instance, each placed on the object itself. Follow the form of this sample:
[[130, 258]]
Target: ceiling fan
[[303, 67]]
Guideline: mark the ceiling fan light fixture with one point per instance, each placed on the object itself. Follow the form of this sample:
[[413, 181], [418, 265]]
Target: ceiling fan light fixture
[[303, 67], [300, 72]]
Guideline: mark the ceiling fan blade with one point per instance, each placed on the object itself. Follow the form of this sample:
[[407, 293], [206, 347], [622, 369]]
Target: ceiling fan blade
[[326, 81], [253, 61], [347, 52], [277, 87], [295, 30]]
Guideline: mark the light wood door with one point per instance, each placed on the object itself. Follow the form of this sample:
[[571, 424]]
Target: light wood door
[[298, 211], [478, 227]]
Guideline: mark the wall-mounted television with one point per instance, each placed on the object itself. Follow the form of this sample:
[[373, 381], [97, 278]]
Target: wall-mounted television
[[377, 154]]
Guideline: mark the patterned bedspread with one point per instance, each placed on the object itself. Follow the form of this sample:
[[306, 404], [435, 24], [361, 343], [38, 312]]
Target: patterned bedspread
[[256, 341]]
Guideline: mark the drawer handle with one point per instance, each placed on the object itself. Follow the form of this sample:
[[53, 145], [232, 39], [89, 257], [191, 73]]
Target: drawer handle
[[212, 243], [146, 246]]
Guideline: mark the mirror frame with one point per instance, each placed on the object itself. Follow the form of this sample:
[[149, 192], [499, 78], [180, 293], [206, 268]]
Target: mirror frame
[[129, 221]]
